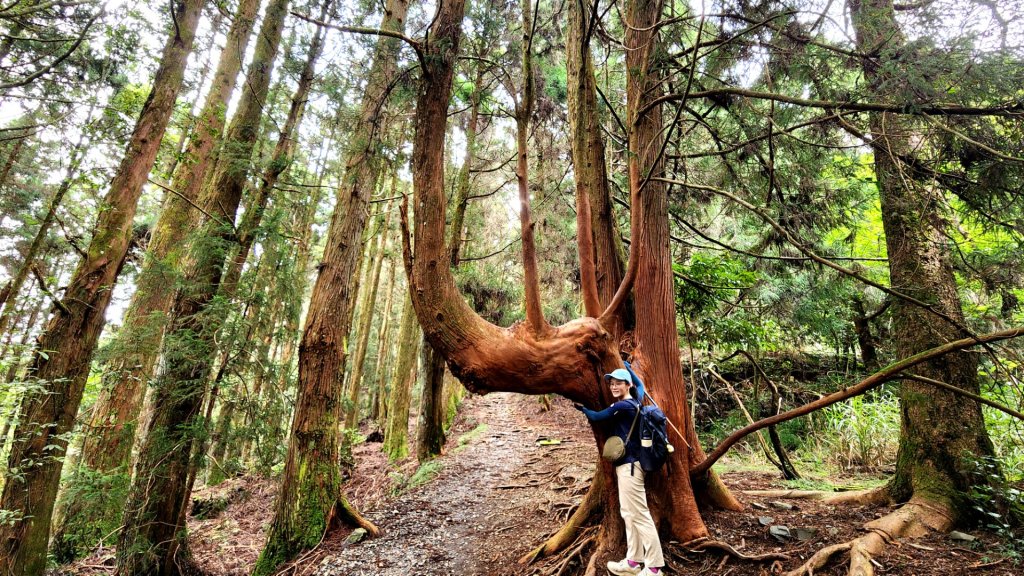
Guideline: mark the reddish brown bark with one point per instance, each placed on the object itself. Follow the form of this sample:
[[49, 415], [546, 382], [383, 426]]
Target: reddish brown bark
[[573, 358], [115, 416], [66, 346], [311, 500], [524, 111], [154, 513], [600, 261]]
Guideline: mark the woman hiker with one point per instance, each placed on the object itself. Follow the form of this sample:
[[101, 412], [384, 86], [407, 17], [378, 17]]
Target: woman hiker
[[642, 543]]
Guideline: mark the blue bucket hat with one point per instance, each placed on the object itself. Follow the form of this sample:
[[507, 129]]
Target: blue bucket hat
[[620, 374]]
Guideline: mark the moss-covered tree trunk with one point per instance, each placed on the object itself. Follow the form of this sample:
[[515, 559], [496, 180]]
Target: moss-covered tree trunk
[[396, 432], [310, 499], [64, 350], [115, 416], [369, 305], [938, 429], [154, 514]]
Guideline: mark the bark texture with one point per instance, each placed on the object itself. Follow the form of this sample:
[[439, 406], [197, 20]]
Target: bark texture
[[115, 417], [379, 246], [937, 428], [310, 499], [64, 350], [396, 433], [154, 513], [600, 260]]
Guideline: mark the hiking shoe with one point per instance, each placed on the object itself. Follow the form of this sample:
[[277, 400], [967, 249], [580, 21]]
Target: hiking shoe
[[647, 572], [622, 568]]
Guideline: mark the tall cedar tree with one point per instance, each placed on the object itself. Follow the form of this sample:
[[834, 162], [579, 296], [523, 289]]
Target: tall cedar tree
[[112, 426], [155, 512], [369, 305], [248, 230], [65, 349], [938, 429], [310, 500]]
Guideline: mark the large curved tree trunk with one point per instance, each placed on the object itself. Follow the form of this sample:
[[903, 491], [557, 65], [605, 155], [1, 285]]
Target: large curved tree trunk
[[937, 427], [65, 348], [572, 359]]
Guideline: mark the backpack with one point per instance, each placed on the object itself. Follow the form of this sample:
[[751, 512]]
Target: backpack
[[654, 445]]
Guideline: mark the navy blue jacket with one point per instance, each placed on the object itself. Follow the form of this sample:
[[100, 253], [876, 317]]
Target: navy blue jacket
[[618, 418]]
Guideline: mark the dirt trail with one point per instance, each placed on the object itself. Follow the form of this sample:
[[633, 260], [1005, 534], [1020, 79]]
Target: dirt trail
[[496, 496]]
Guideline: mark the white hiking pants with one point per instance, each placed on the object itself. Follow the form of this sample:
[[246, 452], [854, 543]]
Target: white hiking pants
[[642, 543]]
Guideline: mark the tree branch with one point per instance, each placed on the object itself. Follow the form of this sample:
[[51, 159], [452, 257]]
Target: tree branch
[[415, 45], [1013, 109], [891, 372]]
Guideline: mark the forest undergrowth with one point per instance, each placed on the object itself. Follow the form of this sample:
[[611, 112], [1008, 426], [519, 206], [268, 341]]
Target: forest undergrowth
[[512, 472]]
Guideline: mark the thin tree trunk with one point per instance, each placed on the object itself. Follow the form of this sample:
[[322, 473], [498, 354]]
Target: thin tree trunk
[[12, 373], [524, 111], [151, 534], [462, 185], [310, 500], [13, 288], [5, 172], [280, 161], [253, 216], [381, 363], [65, 348], [366, 318], [600, 261], [396, 433], [430, 436]]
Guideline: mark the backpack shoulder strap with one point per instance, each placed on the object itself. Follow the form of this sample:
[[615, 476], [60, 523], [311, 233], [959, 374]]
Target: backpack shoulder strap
[[633, 425]]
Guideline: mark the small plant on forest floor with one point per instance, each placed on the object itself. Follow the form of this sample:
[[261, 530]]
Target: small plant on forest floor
[[861, 433], [424, 474], [999, 504], [471, 435]]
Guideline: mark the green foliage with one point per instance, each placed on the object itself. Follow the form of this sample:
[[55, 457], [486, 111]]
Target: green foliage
[[861, 433], [425, 473], [472, 435], [999, 503]]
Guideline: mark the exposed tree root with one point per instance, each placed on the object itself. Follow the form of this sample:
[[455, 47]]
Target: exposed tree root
[[704, 544], [344, 512], [879, 495], [912, 520], [566, 535], [711, 491]]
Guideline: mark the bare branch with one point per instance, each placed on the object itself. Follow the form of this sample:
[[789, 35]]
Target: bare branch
[[889, 373]]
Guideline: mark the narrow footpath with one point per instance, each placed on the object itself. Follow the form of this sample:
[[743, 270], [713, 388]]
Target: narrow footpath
[[510, 475]]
